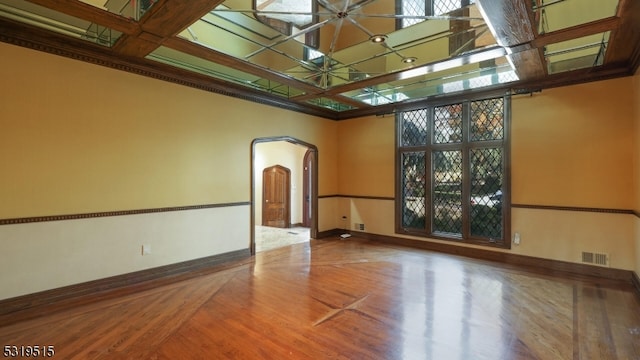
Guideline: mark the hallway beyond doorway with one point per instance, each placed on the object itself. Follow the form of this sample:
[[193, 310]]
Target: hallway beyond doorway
[[268, 238]]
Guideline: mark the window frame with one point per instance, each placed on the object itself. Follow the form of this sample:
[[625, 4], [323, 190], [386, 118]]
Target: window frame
[[466, 146]]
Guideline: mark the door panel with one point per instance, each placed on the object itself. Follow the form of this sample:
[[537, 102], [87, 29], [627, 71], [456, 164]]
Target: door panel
[[276, 187]]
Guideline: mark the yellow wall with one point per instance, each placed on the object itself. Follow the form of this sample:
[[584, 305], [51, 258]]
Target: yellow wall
[[571, 147], [366, 162], [78, 138]]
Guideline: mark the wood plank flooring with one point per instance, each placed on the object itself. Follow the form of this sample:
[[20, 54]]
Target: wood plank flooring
[[352, 299]]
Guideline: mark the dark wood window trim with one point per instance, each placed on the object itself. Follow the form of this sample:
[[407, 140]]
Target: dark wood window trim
[[466, 146]]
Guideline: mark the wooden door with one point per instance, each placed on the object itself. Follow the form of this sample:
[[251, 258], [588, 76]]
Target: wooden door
[[276, 206], [307, 191]]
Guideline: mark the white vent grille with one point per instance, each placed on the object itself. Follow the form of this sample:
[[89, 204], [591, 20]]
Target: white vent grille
[[600, 259]]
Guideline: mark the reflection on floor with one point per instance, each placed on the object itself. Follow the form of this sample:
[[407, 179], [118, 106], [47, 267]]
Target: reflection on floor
[[268, 238]]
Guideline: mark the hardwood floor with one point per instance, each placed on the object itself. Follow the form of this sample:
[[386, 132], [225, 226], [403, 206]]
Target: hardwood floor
[[352, 299]]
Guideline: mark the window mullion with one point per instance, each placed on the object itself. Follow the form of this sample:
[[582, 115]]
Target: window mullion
[[466, 171], [428, 10], [428, 221]]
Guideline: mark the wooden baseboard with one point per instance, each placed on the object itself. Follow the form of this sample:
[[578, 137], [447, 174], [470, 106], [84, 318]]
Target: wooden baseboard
[[46, 302], [546, 266], [330, 233]]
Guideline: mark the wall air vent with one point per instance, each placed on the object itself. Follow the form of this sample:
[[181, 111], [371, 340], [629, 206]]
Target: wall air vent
[[600, 259]]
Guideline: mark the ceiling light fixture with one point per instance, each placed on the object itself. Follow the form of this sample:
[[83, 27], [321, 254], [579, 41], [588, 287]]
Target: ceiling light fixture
[[378, 38], [409, 60]]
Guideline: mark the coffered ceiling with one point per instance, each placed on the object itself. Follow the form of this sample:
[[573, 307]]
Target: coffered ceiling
[[340, 59]]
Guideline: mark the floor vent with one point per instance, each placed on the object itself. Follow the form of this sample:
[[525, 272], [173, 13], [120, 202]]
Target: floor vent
[[599, 259]]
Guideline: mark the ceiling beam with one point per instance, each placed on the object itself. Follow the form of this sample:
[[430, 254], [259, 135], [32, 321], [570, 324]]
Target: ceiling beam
[[510, 21], [137, 46], [624, 40], [168, 18], [164, 20], [573, 32], [92, 14], [512, 24], [529, 64]]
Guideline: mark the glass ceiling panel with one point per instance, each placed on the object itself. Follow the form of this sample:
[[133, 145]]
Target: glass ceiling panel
[[221, 72], [293, 11], [470, 76], [346, 53], [580, 53], [555, 15], [330, 104], [133, 9], [51, 20]]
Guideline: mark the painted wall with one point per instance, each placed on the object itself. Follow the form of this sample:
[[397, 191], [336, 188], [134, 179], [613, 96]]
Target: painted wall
[[571, 147], [290, 156], [78, 138], [636, 167], [366, 162]]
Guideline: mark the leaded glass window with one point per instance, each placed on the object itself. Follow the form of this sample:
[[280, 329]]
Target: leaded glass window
[[452, 169], [415, 11]]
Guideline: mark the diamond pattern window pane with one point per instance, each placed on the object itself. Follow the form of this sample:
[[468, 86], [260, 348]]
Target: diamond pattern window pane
[[419, 8], [486, 192], [441, 7], [487, 120], [447, 191], [447, 124], [413, 190], [412, 8], [437, 145], [414, 128]]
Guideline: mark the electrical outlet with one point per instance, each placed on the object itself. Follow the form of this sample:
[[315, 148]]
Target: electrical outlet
[[516, 238], [146, 249]]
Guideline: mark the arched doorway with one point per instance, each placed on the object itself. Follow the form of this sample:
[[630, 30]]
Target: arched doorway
[[304, 179]]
